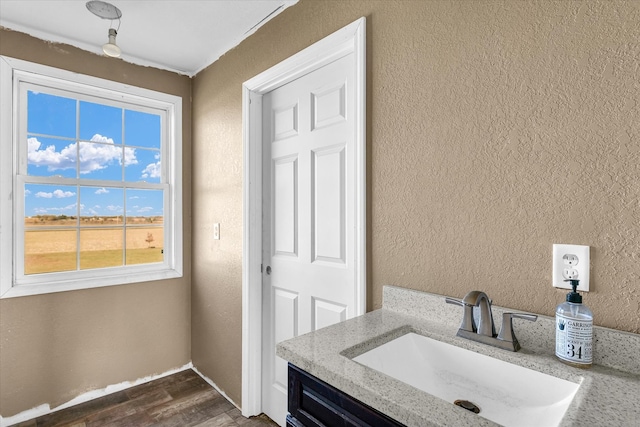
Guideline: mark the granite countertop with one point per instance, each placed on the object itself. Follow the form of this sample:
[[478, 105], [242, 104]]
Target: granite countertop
[[607, 396]]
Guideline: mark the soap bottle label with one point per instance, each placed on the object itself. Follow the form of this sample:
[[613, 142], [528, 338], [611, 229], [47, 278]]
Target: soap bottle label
[[574, 339]]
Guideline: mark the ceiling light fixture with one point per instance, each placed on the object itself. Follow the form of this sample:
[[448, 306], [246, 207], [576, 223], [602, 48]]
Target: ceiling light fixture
[[111, 48], [106, 10]]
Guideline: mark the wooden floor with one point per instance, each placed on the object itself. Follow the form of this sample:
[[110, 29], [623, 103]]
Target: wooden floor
[[179, 400]]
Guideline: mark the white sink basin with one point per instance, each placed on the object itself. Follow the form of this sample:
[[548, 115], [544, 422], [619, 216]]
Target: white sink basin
[[505, 393]]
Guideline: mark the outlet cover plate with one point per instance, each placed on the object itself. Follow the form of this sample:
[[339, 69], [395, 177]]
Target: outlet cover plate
[[569, 262]]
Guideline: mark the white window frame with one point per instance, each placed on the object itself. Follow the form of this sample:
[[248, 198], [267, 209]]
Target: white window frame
[[13, 74]]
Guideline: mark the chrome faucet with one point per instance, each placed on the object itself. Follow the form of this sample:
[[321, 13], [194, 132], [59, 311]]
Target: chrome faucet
[[485, 332]]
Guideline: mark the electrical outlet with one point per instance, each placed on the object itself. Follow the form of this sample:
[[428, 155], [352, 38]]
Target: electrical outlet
[[571, 262], [216, 231]]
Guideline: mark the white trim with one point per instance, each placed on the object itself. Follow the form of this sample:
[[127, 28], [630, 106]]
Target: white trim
[[6, 169], [133, 59], [214, 385], [92, 48], [350, 39], [252, 256], [15, 72], [45, 409]]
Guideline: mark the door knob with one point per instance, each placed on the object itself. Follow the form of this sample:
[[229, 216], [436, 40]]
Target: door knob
[[268, 269]]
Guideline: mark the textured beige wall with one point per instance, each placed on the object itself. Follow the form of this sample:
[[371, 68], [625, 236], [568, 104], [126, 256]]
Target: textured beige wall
[[495, 128], [55, 347]]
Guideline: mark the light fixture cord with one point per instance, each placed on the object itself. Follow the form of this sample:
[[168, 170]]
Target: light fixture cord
[[119, 22]]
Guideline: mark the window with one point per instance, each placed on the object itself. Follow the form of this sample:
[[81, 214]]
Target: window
[[90, 181]]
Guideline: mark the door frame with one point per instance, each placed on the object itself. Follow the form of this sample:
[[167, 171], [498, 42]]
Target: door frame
[[350, 39]]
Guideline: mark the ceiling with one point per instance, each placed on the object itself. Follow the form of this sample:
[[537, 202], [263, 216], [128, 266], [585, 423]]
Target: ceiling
[[183, 36]]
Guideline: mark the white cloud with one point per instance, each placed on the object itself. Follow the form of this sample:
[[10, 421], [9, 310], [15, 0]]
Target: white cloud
[[69, 208], [89, 211], [114, 208], [130, 157], [145, 209], [65, 159], [58, 194], [27, 192], [93, 156], [152, 171], [102, 191], [99, 138], [134, 197]]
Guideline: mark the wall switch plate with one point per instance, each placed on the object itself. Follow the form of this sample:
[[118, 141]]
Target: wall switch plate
[[216, 231], [571, 262]]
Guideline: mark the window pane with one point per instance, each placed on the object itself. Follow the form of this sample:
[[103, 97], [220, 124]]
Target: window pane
[[145, 227], [103, 160], [144, 205], [101, 248], [101, 206], [51, 205], [146, 168], [142, 129], [145, 245], [98, 122], [49, 251], [51, 157], [51, 115]]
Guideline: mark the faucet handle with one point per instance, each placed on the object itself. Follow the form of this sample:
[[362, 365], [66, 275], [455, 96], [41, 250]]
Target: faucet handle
[[454, 301], [506, 331], [468, 322]]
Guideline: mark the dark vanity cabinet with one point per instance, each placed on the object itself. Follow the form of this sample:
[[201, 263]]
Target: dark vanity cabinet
[[313, 402]]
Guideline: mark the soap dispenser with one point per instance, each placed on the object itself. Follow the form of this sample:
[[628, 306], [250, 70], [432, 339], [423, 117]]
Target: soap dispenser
[[574, 330]]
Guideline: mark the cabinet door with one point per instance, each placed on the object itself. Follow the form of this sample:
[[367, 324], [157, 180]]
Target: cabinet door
[[314, 403]]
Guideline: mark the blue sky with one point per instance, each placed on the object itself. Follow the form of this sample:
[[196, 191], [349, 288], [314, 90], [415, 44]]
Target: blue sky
[[42, 199], [99, 153]]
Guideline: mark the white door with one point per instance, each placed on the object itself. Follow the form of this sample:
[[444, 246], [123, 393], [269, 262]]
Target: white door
[[309, 213]]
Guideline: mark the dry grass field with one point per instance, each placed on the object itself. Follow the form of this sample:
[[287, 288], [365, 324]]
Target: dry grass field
[[56, 250]]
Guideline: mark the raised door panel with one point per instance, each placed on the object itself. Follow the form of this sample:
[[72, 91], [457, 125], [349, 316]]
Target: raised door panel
[[284, 122], [328, 210], [285, 326], [328, 106], [285, 206], [327, 313]]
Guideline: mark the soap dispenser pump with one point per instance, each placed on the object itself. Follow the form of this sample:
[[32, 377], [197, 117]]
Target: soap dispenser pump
[[574, 330]]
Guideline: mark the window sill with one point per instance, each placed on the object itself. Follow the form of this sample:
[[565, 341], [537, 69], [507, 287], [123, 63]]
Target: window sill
[[78, 284]]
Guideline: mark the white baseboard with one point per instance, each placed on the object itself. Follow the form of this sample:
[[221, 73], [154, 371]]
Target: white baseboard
[[45, 409], [212, 384]]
